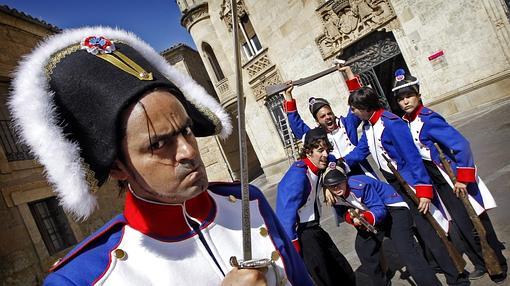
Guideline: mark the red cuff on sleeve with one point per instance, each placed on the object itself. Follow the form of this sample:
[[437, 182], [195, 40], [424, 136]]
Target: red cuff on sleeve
[[369, 217], [297, 246], [289, 105], [348, 218], [424, 191], [466, 174], [354, 84]]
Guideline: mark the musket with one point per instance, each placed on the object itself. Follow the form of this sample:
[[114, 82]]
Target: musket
[[488, 253], [279, 87], [363, 221], [458, 261], [354, 214]]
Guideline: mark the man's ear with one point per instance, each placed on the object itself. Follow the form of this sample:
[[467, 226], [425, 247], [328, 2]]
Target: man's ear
[[118, 171], [308, 154]]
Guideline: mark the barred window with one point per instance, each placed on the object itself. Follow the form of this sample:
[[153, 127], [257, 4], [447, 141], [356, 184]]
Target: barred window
[[52, 224], [275, 106]]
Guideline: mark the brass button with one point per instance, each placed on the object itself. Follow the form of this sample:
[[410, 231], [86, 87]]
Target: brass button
[[275, 255], [119, 254], [263, 231], [232, 199]]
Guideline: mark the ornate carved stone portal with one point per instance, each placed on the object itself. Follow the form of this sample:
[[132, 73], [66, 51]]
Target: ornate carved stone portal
[[346, 21], [376, 53], [226, 12]]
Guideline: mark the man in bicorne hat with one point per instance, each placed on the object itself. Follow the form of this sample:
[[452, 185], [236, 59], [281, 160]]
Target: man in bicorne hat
[[98, 102]]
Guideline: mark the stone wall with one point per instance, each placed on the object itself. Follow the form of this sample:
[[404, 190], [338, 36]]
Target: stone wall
[[474, 37], [24, 259]]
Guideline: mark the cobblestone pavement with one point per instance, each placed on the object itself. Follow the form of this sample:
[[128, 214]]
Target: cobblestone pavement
[[488, 129]]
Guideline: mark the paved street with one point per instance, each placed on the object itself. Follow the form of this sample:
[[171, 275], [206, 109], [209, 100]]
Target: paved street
[[488, 130]]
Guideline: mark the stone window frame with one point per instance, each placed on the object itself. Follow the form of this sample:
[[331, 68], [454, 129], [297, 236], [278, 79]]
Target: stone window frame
[[53, 224], [249, 41], [21, 200], [213, 61]]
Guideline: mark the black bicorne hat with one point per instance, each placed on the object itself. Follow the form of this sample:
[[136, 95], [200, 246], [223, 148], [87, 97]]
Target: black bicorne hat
[[405, 83], [68, 97], [315, 134], [316, 103], [333, 175]]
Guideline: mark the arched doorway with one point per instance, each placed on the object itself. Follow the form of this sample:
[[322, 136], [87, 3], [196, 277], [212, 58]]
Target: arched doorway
[[377, 69]]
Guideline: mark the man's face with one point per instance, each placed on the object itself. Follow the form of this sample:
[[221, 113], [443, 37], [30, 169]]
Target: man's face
[[362, 113], [326, 118], [161, 153], [409, 102], [319, 156], [339, 190]]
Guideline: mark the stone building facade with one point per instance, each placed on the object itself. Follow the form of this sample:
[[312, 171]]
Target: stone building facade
[[460, 51], [34, 231]]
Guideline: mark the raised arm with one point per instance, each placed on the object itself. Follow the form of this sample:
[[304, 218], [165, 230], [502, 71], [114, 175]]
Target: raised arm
[[297, 125]]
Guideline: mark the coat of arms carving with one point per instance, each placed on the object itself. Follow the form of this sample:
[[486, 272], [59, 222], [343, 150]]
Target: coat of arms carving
[[346, 21]]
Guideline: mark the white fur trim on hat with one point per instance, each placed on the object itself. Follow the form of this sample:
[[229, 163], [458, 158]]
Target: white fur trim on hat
[[35, 118]]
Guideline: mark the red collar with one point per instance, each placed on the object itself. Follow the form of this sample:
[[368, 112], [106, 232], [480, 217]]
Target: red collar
[[411, 117], [311, 166], [167, 222], [375, 117]]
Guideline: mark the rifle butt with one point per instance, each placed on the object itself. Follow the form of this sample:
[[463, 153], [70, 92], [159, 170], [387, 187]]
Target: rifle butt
[[489, 255], [457, 258]]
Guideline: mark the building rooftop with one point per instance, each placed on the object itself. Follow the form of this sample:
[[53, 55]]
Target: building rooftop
[[19, 14]]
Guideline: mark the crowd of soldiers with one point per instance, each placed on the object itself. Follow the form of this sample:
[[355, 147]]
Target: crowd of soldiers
[[426, 172], [98, 103]]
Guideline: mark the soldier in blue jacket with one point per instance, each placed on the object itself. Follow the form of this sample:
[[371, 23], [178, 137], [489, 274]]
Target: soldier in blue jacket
[[299, 209], [384, 133], [98, 102], [384, 208], [342, 131], [427, 127]]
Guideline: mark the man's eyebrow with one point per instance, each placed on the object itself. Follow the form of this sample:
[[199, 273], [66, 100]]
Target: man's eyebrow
[[164, 136]]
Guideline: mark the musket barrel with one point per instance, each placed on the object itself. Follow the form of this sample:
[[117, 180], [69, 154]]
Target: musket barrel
[[457, 259]]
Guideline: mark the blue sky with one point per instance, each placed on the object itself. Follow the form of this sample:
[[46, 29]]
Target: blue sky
[[155, 21]]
